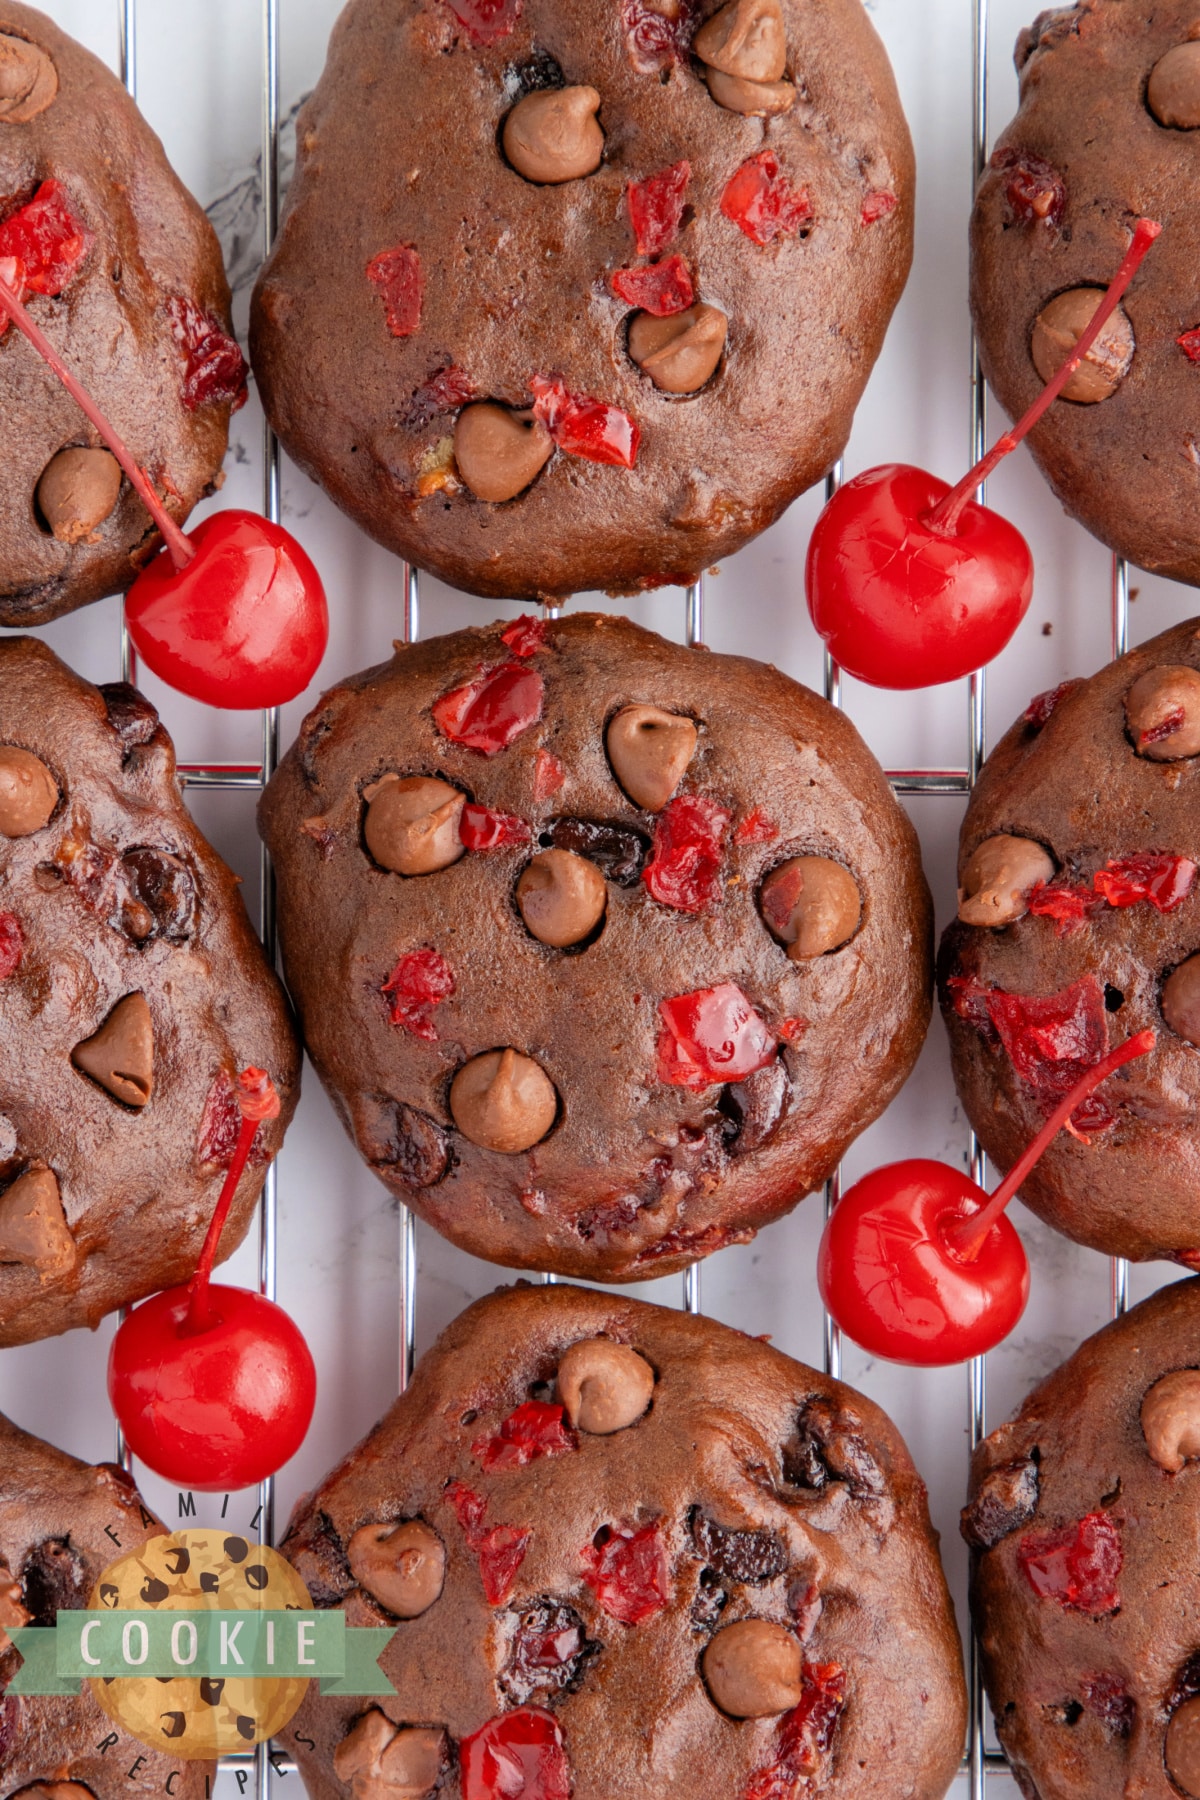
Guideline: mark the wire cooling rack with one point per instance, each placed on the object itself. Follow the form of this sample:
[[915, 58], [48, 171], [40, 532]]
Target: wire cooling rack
[[262, 1767]]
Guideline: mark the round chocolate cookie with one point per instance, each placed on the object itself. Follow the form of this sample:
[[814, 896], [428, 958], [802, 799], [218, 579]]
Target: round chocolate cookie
[[605, 948], [582, 295], [633, 1553], [1108, 130], [1083, 1517], [132, 991], [61, 1525], [123, 272], [1078, 925]]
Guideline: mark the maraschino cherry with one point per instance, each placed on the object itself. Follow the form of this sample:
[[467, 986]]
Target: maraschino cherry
[[232, 613], [214, 1387], [911, 582], [919, 1265]]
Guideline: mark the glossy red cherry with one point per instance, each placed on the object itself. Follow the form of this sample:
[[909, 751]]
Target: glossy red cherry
[[919, 1265], [233, 614], [911, 582], [214, 1387]]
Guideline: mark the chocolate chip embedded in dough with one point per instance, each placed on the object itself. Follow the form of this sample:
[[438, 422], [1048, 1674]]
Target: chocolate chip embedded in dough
[[604, 1387], [1181, 1752], [28, 792], [1171, 1419], [1059, 327], [411, 1764], [363, 1745], [753, 99], [746, 38], [499, 452], [130, 714], [1181, 1000], [120, 1056], [28, 80], [552, 135], [999, 876], [503, 1101], [411, 825], [77, 491], [754, 1669], [649, 750], [679, 353], [403, 1566], [812, 905], [1173, 91], [561, 897], [1162, 711], [33, 1225]]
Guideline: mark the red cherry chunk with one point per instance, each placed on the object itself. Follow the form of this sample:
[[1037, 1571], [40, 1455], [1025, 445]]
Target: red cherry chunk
[[711, 1035], [804, 1737], [482, 829], [11, 944], [1189, 343], [501, 1550], [1165, 881], [1042, 705], [1078, 1566], [1106, 1696], [585, 427], [525, 636], [220, 1124], [661, 289], [762, 202], [1070, 903], [685, 859], [1170, 722], [486, 21], [756, 828], [792, 1030], [627, 1570], [490, 712], [1034, 189], [1051, 1040], [548, 775], [397, 275], [656, 207], [469, 1508], [534, 1430], [214, 368], [878, 206], [443, 391], [46, 239], [659, 34], [420, 981], [519, 1756]]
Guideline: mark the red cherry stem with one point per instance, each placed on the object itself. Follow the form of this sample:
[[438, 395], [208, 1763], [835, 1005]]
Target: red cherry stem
[[258, 1100], [966, 1236], [181, 548], [945, 515]]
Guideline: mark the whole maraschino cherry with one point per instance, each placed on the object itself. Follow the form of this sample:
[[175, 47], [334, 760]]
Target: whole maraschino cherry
[[214, 1387], [919, 1265], [911, 582], [232, 613]]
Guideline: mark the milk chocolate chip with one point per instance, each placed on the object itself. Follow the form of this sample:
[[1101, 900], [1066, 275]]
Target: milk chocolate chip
[[28, 792], [57, 1790], [552, 135], [1171, 1419], [755, 99], [384, 1762], [1181, 1000], [12, 1614], [604, 1386], [746, 38], [649, 749], [503, 1101], [28, 80], [812, 905], [1059, 327], [1162, 711], [1181, 1752], [1173, 91], [561, 897], [998, 878], [499, 452], [120, 1056], [754, 1669], [76, 492], [403, 1566], [679, 353], [33, 1226], [362, 1746], [411, 825]]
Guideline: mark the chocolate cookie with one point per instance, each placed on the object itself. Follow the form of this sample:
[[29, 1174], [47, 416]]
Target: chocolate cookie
[[61, 1525], [123, 272], [632, 1552], [1108, 130], [605, 948], [1078, 925], [132, 990], [1083, 1517], [582, 296]]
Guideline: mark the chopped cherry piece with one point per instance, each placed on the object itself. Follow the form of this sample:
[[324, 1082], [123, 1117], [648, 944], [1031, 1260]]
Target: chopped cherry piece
[[585, 427], [656, 207], [1070, 903], [220, 1125], [878, 206], [661, 289], [535, 1429], [214, 368], [969, 999], [792, 1030], [657, 34], [486, 21], [1189, 343], [1042, 705], [712, 1035], [685, 862], [756, 828], [469, 1508], [11, 944], [397, 275], [1165, 881], [501, 1550], [1052, 1040], [805, 1736], [548, 775], [761, 201], [47, 240], [519, 1756], [1077, 1566], [490, 712], [628, 1572], [482, 829], [525, 636], [1034, 189], [443, 391], [419, 982], [1167, 726], [1106, 1696]]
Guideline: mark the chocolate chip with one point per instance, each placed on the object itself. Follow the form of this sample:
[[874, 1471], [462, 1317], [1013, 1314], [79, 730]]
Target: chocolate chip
[[561, 897], [33, 1226], [498, 452], [752, 1556], [28, 792], [541, 70], [755, 1107], [812, 905], [211, 1689], [412, 1764], [411, 824], [1170, 1417], [120, 1055], [153, 1590], [156, 896], [174, 1724], [53, 1578], [746, 38], [828, 1447], [1181, 1751], [130, 714], [604, 1387], [503, 1101], [1058, 328], [710, 1602], [402, 1566], [649, 750], [363, 1745], [178, 1557], [1005, 1499], [405, 1143], [753, 1669], [998, 877], [316, 1553], [77, 491], [28, 79], [679, 353], [1181, 1000], [552, 135], [1162, 711], [1173, 91], [257, 1577], [616, 851], [236, 1549], [245, 1727], [548, 1653], [753, 99]]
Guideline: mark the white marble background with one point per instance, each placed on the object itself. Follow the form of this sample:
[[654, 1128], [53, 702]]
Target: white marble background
[[198, 71]]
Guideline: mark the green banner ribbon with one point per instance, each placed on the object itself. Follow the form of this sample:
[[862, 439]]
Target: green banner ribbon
[[136, 1645]]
